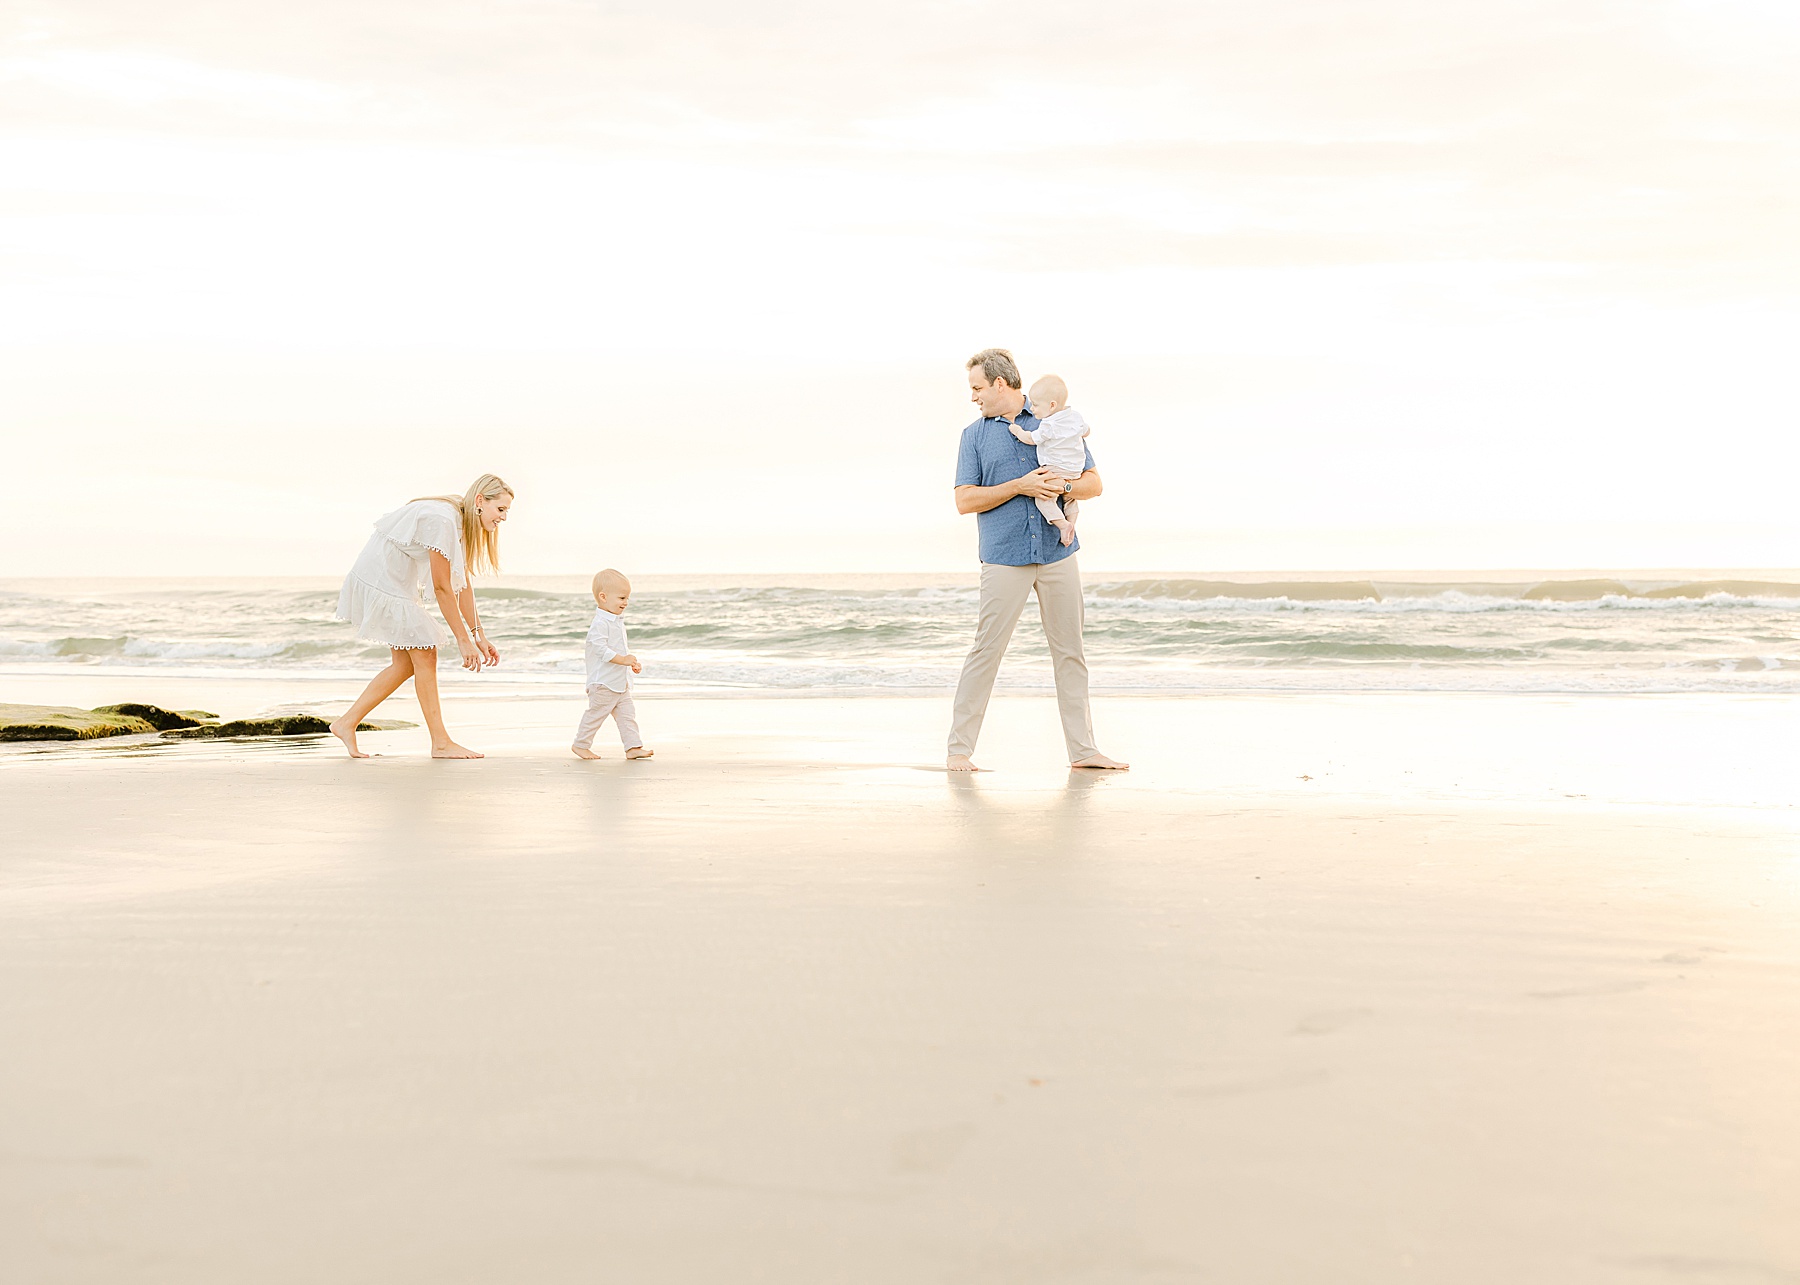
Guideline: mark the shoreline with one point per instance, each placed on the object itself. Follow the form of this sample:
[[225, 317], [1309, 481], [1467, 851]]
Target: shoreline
[[1023, 681], [1686, 750]]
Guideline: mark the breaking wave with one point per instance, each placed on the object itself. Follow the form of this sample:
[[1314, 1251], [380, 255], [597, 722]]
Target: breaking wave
[[1174, 634]]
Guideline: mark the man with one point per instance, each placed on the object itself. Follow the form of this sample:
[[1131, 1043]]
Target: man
[[998, 479]]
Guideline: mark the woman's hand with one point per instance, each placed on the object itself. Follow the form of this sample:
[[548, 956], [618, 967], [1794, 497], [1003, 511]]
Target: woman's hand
[[489, 653], [471, 659]]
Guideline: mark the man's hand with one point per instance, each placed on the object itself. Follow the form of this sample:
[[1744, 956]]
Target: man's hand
[[1040, 484]]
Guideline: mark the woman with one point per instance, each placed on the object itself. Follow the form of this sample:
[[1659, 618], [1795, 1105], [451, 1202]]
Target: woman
[[432, 542]]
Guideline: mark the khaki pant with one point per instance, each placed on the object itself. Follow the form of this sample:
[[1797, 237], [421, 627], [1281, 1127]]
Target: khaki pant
[[602, 701], [1003, 594]]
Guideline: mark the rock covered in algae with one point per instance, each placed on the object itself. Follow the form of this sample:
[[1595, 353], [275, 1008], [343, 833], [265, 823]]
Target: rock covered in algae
[[279, 725], [66, 723], [161, 719]]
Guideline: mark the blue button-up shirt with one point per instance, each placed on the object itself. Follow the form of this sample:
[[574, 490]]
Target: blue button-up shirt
[[1013, 534]]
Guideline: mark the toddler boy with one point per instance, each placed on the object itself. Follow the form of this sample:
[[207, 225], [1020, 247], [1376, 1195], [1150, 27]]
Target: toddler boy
[[1058, 438], [610, 666]]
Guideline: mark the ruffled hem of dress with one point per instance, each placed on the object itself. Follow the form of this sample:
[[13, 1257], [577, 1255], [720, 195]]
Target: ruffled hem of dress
[[386, 618]]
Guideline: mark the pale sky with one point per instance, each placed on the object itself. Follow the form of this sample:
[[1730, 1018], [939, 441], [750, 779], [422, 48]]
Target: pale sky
[[1339, 283]]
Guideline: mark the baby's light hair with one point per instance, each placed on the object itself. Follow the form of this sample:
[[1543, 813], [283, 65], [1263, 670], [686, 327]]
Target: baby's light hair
[[1050, 388], [610, 580]]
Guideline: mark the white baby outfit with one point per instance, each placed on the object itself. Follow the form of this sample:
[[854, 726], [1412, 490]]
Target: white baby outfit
[[608, 685], [385, 593], [1062, 448]]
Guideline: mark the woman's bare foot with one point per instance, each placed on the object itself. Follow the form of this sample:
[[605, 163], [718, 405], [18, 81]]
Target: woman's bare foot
[[1101, 763], [346, 732], [639, 752], [580, 753], [454, 751], [960, 763]]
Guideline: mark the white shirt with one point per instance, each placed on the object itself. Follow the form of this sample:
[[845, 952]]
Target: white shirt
[[1060, 442], [606, 639]]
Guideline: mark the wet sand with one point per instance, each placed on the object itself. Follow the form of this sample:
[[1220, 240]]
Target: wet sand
[[785, 1005]]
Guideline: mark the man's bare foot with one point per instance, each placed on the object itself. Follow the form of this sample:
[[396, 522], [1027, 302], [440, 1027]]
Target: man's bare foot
[[580, 753], [1068, 532], [346, 732], [454, 751], [960, 763], [639, 752], [1100, 762]]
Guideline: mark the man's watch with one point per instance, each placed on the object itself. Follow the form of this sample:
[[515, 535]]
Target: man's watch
[[1067, 487]]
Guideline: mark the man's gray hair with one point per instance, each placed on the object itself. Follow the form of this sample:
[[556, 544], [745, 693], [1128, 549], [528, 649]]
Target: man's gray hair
[[997, 363]]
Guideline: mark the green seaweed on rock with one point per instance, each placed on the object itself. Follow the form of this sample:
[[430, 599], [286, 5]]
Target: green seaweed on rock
[[66, 723], [280, 725], [162, 720]]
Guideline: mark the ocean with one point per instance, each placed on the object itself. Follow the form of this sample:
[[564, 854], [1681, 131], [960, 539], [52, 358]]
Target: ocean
[[896, 635]]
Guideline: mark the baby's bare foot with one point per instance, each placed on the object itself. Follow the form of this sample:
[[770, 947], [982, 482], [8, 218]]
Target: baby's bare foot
[[1068, 532], [454, 751], [639, 752], [580, 753], [346, 732]]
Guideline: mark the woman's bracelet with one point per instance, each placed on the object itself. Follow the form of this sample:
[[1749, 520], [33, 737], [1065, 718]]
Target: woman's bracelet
[[475, 630]]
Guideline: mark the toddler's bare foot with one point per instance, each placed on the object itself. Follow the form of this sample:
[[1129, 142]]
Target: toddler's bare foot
[[1102, 763], [346, 732], [1068, 532], [454, 751], [580, 753], [639, 752], [960, 763]]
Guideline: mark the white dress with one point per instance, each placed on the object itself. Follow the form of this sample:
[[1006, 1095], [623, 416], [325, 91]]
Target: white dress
[[386, 592]]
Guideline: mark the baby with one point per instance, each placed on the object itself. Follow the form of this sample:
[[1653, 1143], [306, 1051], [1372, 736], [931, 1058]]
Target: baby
[[610, 666], [1060, 448]]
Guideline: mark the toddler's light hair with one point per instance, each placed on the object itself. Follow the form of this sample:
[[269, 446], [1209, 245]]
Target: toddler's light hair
[[1050, 388], [608, 580]]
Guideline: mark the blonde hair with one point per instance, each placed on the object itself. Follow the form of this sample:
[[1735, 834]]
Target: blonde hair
[[610, 579], [1051, 388], [480, 546]]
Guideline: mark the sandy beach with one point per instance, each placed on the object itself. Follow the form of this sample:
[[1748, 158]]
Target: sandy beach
[[1350, 990], [1371, 415]]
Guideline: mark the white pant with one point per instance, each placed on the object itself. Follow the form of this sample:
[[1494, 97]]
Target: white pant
[[604, 701], [1060, 607], [1054, 512]]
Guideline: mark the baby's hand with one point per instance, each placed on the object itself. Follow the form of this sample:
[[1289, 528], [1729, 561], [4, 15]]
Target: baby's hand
[[1021, 434]]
